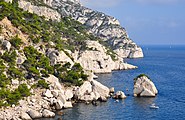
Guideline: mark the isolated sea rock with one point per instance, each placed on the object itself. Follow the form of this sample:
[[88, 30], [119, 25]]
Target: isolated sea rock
[[144, 87], [119, 95]]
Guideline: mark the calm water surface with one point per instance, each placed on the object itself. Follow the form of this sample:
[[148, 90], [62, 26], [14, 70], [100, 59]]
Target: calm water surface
[[165, 66]]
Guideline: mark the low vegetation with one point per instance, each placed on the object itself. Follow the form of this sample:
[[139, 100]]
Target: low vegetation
[[43, 84], [141, 75], [8, 98]]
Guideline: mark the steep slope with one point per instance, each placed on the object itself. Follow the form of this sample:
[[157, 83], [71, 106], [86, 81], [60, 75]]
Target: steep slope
[[101, 25], [40, 52]]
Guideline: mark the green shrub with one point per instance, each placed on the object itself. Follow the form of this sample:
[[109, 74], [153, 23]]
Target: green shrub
[[10, 57], [141, 75], [12, 97], [43, 84], [4, 80], [16, 42], [23, 90], [15, 73]]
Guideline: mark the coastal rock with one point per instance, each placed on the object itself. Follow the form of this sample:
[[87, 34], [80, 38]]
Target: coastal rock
[[47, 114], [69, 94], [54, 82], [112, 90], [59, 104], [48, 94], [136, 53], [143, 86], [68, 104], [99, 88], [85, 88], [119, 95], [25, 116], [34, 114], [97, 59]]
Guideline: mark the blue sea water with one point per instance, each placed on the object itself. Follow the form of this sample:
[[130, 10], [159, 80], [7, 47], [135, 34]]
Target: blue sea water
[[166, 67]]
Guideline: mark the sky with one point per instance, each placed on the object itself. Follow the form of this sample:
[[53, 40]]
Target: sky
[[155, 22]]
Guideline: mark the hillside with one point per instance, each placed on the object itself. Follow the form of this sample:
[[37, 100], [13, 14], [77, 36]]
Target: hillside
[[48, 60]]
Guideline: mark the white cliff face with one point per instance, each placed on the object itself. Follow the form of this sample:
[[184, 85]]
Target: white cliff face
[[97, 59], [106, 27], [143, 86], [40, 10], [58, 57]]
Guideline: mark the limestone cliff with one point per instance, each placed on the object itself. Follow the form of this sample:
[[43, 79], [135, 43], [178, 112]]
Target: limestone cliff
[[99, 24]]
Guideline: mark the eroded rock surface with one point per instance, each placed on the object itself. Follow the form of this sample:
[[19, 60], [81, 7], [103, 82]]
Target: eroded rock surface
[[144, 87]]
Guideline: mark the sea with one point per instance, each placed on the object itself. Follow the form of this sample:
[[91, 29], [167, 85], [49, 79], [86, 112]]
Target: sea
[[165, 65]]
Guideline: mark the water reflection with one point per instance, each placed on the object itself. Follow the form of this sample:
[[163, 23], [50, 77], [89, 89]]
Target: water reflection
[[143, 102]]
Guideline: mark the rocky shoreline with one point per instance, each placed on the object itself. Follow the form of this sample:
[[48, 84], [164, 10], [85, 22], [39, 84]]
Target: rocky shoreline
[[44, 102]]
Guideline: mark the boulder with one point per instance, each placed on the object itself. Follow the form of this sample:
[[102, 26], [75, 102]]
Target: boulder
[[143, 86], [68, 104], [6, 44], [48, 94], [34, 114], [85, 88], [25, 116], [112, 90], [54, 82], [47, 113], [100, 88], [59, 105], [69, 94], [119, 95]]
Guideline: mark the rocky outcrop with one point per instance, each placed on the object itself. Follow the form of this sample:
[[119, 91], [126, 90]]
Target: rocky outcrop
[[58, 57], [25, 116], [119, 95], [40, 10], [144, 87], [97, 59], [92, 90], [34, 114]]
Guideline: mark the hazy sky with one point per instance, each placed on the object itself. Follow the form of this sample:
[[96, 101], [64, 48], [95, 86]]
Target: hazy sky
[[147, 21]]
